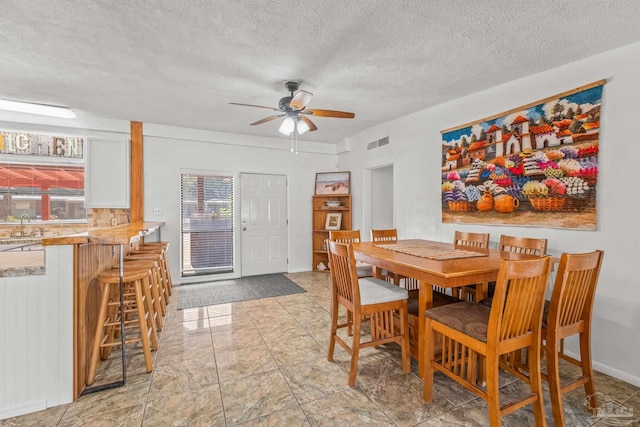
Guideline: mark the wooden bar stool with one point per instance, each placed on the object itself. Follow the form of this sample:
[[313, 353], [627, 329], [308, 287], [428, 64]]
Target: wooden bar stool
[[137, 301], [158, 278], [152, 267], [163, 265], [158, 248], [165, 247]]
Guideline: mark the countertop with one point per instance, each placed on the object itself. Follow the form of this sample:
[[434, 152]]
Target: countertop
[[27, 263], [118, 235]]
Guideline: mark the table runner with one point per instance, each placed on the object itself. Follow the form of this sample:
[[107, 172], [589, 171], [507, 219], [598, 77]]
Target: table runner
[[430, 251]]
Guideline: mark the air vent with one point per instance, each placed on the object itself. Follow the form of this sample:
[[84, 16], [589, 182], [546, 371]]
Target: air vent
[[378, 143]]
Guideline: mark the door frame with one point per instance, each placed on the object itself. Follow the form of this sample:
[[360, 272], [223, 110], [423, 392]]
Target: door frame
[[367, 199], [238, 218]]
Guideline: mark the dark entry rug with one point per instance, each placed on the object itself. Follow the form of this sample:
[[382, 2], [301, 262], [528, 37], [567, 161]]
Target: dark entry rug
[[234, 290]]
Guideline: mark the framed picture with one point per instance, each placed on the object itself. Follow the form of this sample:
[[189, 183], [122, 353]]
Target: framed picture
[[334, 220], [333, 182]]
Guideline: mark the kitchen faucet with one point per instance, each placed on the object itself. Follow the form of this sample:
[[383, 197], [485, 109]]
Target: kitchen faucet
[[22, 217]]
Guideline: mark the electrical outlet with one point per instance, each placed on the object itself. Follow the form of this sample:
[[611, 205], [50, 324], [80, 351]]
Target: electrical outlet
[[157, 211], [114, 221]]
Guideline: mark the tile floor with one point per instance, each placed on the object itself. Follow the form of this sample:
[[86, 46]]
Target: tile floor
[[263, 363]]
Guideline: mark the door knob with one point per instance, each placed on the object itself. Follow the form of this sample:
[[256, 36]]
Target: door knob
[[244, 228]]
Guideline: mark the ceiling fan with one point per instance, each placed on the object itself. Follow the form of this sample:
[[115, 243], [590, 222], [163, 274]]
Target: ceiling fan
[[294, 108]]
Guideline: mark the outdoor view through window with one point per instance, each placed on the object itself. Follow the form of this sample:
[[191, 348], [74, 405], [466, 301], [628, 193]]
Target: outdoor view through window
[[41, 178]]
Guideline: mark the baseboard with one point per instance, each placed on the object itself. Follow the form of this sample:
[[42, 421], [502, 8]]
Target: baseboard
[[299, 270], [605, 369], [26, 408]]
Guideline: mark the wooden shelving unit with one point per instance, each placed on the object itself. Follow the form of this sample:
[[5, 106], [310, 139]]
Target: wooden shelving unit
[[320, 211]]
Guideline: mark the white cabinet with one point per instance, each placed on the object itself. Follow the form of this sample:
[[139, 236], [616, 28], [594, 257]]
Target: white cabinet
[[107, 173]]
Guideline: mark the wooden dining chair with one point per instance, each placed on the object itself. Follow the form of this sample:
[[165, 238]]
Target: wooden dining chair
[[352, 236], [518, 245], [391, 236], [569, 313], [473, 333], [523, 245], [370, 297], [440, 297], [465, 240]]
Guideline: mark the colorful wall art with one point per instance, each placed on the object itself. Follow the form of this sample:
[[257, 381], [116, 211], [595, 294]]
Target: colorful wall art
[[536, 165]]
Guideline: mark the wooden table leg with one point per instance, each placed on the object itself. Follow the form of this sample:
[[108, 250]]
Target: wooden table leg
[[425, 300], [482, 291]]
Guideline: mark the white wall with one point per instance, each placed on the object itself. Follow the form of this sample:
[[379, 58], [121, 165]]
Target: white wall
[[168, 150], [415, 152]]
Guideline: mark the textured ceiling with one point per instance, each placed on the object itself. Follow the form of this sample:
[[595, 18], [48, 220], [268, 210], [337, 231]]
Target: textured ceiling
[[181, 62]]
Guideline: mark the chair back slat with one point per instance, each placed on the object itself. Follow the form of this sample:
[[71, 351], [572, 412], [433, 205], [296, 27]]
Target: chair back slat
[[518, 310], [390, 235], [344, 277], [574, 297], [574, 288], [472, 240], [345, 236], [518, 299], [523, 245]]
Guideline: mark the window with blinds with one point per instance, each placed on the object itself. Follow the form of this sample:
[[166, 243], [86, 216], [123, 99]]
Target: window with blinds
[[207, 224]]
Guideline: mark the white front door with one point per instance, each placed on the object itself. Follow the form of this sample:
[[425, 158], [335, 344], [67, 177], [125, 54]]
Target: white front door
[[263, 223]]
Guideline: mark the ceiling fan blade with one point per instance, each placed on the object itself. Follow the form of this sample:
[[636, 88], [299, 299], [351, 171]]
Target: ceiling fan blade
[[309, 123], [330, 113], [251, 105], [268, 119], [301, 99]]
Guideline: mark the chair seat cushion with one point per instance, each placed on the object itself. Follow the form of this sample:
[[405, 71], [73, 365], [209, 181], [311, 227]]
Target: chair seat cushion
[[364, 270], [376, 291], [439, 299], [470, 318], [488, 301]]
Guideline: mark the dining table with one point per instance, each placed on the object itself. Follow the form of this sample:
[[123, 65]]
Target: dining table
[[434, 263]]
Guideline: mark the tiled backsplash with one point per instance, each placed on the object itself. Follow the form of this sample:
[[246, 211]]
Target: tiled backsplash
[[102, 217], [96, 217]]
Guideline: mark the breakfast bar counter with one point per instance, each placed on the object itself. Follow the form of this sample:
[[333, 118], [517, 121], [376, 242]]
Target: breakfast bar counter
[[52, 315], [119, 235]]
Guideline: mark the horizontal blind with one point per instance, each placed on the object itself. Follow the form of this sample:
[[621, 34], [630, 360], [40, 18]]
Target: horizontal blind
[[207, 224]]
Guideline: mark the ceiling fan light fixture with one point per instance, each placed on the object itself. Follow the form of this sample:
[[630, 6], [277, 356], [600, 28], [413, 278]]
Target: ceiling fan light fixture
[[43, 110], [287, 126], [302, 126]]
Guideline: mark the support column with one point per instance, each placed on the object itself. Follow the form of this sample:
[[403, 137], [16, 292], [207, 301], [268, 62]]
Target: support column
[[137, 173], [45, 204]]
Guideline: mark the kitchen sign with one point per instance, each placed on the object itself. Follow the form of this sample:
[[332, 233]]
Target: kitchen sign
[[25, 143]]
